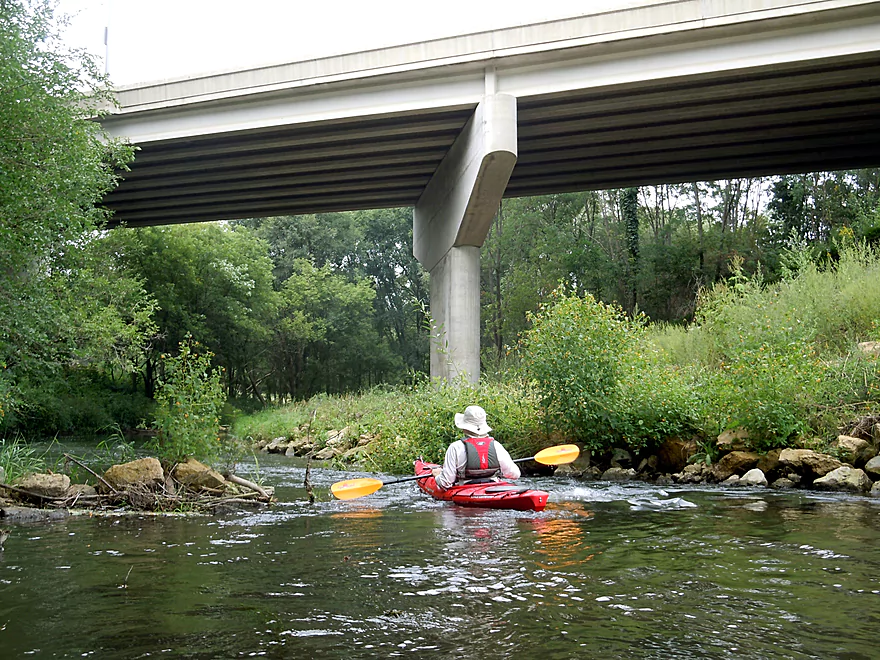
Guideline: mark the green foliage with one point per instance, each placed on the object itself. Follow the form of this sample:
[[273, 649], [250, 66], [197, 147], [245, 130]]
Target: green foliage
[[572, 352], [65, 303], [189, 403], [779, 360], [18, 458], [424, 425]]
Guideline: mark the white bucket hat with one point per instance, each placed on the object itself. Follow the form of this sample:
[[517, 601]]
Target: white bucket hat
[[473, 421]]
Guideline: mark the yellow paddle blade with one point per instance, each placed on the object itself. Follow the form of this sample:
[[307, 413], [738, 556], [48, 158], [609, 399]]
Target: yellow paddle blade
[[558, 455], [349, 490]]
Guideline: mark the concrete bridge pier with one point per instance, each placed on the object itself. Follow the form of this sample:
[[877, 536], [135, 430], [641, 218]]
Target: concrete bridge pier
[[450, 222]]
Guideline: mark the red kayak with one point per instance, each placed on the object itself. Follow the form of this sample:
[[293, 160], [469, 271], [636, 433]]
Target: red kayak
[[495, 494]]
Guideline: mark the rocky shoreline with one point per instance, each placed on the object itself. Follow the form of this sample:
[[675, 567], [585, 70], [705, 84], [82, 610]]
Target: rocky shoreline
[[851, 463], [142, 485]]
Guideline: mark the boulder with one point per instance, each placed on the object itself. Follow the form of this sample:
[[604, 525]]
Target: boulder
[[28, 514], [145, 472], [300, 447], [782, 482], [854, 451], [648, 465], [845, 478], [875, 489], [618, 474], [45, 485], [732, 480], [325, 454], [338, 438], [80, 490], [692, 474], [754, 477], [769, 463], [621, 458], [733, 440], [736, 462], [872, 467], [673, 454], [197, 476], [278, 445], [808, 462]]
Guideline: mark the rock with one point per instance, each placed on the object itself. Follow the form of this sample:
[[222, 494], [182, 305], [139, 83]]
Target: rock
[[869, 347], [782, 482], [300, 447], [648, 465], [621, 458], [692, 474], [845, 478], [732, 480], [733, 440], [277, 446], [852, 450], [769, 463], [673, 454], [198, 476], [875, 489], [24, 514], [618, 474], [45, 485], [736, 462], [754, 477], [146, 472], [365, 439], [872, 467], [80, 490], [808, 462], [338, 438], [665, 480], [325, 454], [794, 478]]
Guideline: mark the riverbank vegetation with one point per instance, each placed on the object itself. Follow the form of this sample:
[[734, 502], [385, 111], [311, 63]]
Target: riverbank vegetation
[[614, 318]]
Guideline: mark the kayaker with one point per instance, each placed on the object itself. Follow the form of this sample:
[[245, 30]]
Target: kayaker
[[477, 455]]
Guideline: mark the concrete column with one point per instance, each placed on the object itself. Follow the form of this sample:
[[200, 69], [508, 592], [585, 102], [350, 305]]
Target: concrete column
[[455, 311], [450, 223]]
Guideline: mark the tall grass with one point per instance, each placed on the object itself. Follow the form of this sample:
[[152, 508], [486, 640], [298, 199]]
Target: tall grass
[[18, 458], [781, 360]]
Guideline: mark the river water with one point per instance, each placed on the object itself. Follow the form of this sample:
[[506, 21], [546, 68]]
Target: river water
[[606, 571]]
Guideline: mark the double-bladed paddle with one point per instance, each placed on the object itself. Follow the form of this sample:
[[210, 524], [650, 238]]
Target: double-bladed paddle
[[354, 488]]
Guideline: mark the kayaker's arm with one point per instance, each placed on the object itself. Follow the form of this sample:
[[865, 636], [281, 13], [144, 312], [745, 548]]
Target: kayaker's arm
[[509, 469], [455, 459]]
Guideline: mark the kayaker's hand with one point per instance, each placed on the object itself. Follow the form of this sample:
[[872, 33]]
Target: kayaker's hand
[[437, 472]]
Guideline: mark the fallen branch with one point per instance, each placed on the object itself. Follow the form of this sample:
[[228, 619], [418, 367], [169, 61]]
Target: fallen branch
[[95, 474], [248, 484]]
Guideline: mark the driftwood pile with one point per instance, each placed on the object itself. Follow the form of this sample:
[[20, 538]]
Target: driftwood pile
[[141, 485]]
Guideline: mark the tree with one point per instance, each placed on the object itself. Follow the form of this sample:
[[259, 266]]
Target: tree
[[56, 165]]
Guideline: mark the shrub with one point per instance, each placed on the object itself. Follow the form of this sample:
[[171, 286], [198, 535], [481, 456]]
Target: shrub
[[423, 423], [573, 354], [189, 401]]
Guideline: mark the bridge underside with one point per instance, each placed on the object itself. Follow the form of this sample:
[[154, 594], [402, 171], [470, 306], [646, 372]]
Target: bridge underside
[[818, 115]]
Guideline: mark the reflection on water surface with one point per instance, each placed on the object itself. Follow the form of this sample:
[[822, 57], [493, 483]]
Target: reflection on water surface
[[740, 574]]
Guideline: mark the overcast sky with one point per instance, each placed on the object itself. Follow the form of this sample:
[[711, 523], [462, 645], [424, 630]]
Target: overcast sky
[[157, 39]]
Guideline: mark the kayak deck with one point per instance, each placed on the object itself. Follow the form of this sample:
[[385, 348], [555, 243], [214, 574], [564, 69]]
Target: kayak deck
[[497, 494]]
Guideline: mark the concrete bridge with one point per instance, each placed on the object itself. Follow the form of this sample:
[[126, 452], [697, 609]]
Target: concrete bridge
[[672, 91]]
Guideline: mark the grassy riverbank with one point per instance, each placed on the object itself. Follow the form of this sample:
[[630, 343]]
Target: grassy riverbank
[[781, 360]]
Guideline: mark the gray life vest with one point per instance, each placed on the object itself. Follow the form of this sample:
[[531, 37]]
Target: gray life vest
[[482, 459]]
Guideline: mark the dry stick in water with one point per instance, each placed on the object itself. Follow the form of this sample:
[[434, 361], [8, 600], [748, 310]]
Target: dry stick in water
[[248, 484], [306, 482]]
